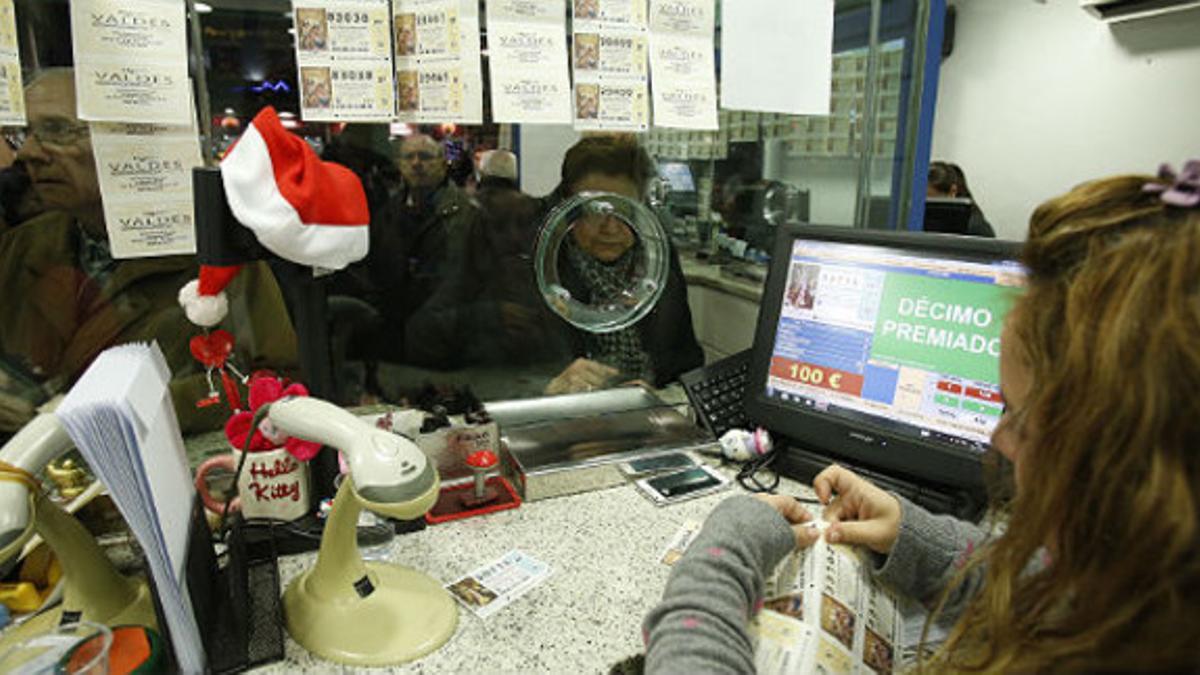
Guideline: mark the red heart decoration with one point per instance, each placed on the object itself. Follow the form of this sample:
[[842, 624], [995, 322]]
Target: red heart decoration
[[213, 349]]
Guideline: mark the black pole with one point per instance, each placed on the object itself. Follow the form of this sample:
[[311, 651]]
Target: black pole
[[221, 240]]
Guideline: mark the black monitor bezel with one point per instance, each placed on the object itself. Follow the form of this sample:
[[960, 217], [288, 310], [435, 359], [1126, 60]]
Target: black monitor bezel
[[862, 443], [954, 211]]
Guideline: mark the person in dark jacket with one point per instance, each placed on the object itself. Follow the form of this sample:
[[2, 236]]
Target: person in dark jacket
[[948, 180], [595, 261], [491, 313], [417, 240]]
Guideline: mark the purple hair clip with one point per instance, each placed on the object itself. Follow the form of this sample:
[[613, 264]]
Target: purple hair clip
[[1184, 190]]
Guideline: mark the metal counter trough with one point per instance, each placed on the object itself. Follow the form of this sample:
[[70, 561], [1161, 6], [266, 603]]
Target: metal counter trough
[[563, 445]]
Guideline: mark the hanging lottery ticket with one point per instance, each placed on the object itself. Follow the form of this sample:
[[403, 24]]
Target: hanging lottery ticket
[[609, 49]]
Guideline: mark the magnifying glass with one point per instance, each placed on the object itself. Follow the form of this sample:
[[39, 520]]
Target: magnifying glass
[[610, 289]]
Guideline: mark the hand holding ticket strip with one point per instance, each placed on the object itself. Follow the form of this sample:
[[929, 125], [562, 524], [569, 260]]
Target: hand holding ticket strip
[[687, 533], [823, 611]]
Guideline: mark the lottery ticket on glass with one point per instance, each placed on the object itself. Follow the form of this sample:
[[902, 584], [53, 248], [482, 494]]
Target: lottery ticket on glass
[[527, 46], [682, 63], [494, 586], [680, 543], [437, 60], [355, 90], [344, 56], [431, 91], [8, 28], [610, 13], [609, 52], [612, 105], [145, 173], [427, 29], [346, 29], [130, 61], [12, 94]]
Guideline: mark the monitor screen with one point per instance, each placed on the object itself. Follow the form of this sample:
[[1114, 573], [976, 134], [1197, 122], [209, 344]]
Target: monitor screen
[[948, 215], [678, 175], [892, 339]]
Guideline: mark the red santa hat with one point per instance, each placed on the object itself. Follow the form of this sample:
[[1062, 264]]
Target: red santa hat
[[300, 208]]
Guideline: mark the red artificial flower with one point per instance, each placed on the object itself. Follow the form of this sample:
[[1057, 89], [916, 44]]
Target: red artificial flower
[[266, 388]]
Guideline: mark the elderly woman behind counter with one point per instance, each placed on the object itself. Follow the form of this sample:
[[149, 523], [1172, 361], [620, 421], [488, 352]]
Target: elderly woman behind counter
[[488, 316], [596, 262]]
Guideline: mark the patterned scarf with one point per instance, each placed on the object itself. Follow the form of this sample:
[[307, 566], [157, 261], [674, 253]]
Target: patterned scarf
[[620, 349]]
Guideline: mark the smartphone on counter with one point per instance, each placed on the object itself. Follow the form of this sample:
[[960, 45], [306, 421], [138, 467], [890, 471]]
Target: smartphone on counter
[[647, 466], [682, 485]]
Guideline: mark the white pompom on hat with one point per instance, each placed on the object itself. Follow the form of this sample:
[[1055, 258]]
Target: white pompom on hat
[[300, 208], [203, 299]]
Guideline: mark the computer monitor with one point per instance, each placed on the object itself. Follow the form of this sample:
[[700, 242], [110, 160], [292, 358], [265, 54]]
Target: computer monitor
[[678, 175], [882, 349], [948, 215]]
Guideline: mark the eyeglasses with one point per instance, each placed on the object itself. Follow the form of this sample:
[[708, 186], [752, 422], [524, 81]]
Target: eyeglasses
[[15, 138], [423, 156], [55, 131]]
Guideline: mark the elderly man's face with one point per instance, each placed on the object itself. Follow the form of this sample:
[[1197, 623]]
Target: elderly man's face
[[422, 162], [58, 150]]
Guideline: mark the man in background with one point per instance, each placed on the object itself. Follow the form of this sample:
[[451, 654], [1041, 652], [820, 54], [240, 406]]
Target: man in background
[[415, 242], [487, 311], [498, 169], [70, 299]]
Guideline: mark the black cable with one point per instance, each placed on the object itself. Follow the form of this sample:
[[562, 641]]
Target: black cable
[[290, 528], [747, 475], [254, 422]]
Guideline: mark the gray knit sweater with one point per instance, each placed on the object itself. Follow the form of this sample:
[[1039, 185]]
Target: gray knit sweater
[[701, 624]]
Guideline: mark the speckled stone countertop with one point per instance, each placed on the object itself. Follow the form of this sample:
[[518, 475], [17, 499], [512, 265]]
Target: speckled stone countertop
[[604, 548]]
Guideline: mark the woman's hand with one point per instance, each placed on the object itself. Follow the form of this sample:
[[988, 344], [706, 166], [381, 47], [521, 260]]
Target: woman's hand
[[582, 375], [796, 515], [857, 510]]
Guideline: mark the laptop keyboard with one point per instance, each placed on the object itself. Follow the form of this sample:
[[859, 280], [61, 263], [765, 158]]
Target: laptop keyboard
[[716, 392]]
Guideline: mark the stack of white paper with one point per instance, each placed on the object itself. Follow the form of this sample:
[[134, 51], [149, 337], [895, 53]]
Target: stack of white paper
[[120, 416]]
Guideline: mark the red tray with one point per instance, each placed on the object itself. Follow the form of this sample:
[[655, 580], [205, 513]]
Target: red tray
[[449, 507]]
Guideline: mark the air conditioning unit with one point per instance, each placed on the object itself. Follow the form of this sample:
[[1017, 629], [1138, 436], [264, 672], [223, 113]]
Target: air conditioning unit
[[1114, 11]]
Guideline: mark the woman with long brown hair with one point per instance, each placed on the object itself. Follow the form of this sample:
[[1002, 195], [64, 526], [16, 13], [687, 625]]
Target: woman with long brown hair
[[1099, 569]]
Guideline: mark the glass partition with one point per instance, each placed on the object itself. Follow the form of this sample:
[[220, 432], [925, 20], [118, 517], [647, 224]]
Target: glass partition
[[448, 294], [850, 167]]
